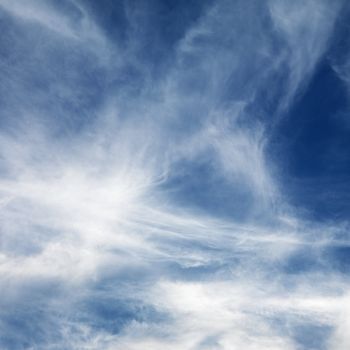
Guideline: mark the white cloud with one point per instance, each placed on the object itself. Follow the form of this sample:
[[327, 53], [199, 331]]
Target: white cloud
[[88, 206]]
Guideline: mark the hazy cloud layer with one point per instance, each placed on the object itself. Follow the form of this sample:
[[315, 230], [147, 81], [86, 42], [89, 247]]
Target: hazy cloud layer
[[142, 203]]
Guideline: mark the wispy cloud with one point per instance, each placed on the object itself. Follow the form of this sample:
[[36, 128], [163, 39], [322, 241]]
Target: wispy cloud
[[139, 206]]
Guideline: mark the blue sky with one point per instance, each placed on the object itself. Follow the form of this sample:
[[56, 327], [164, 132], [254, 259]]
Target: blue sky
[[174, 175]]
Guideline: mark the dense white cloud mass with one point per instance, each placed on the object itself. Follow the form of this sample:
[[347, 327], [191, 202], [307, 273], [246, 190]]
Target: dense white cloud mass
[[139, 205]]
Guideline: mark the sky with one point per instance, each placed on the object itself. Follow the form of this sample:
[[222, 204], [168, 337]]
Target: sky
[[174, 175]]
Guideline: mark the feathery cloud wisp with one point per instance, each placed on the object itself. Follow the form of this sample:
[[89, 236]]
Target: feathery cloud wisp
[[140, 207]]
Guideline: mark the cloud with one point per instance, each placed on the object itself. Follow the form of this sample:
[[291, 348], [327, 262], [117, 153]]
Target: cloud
[[69, 20], [139, 205]]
